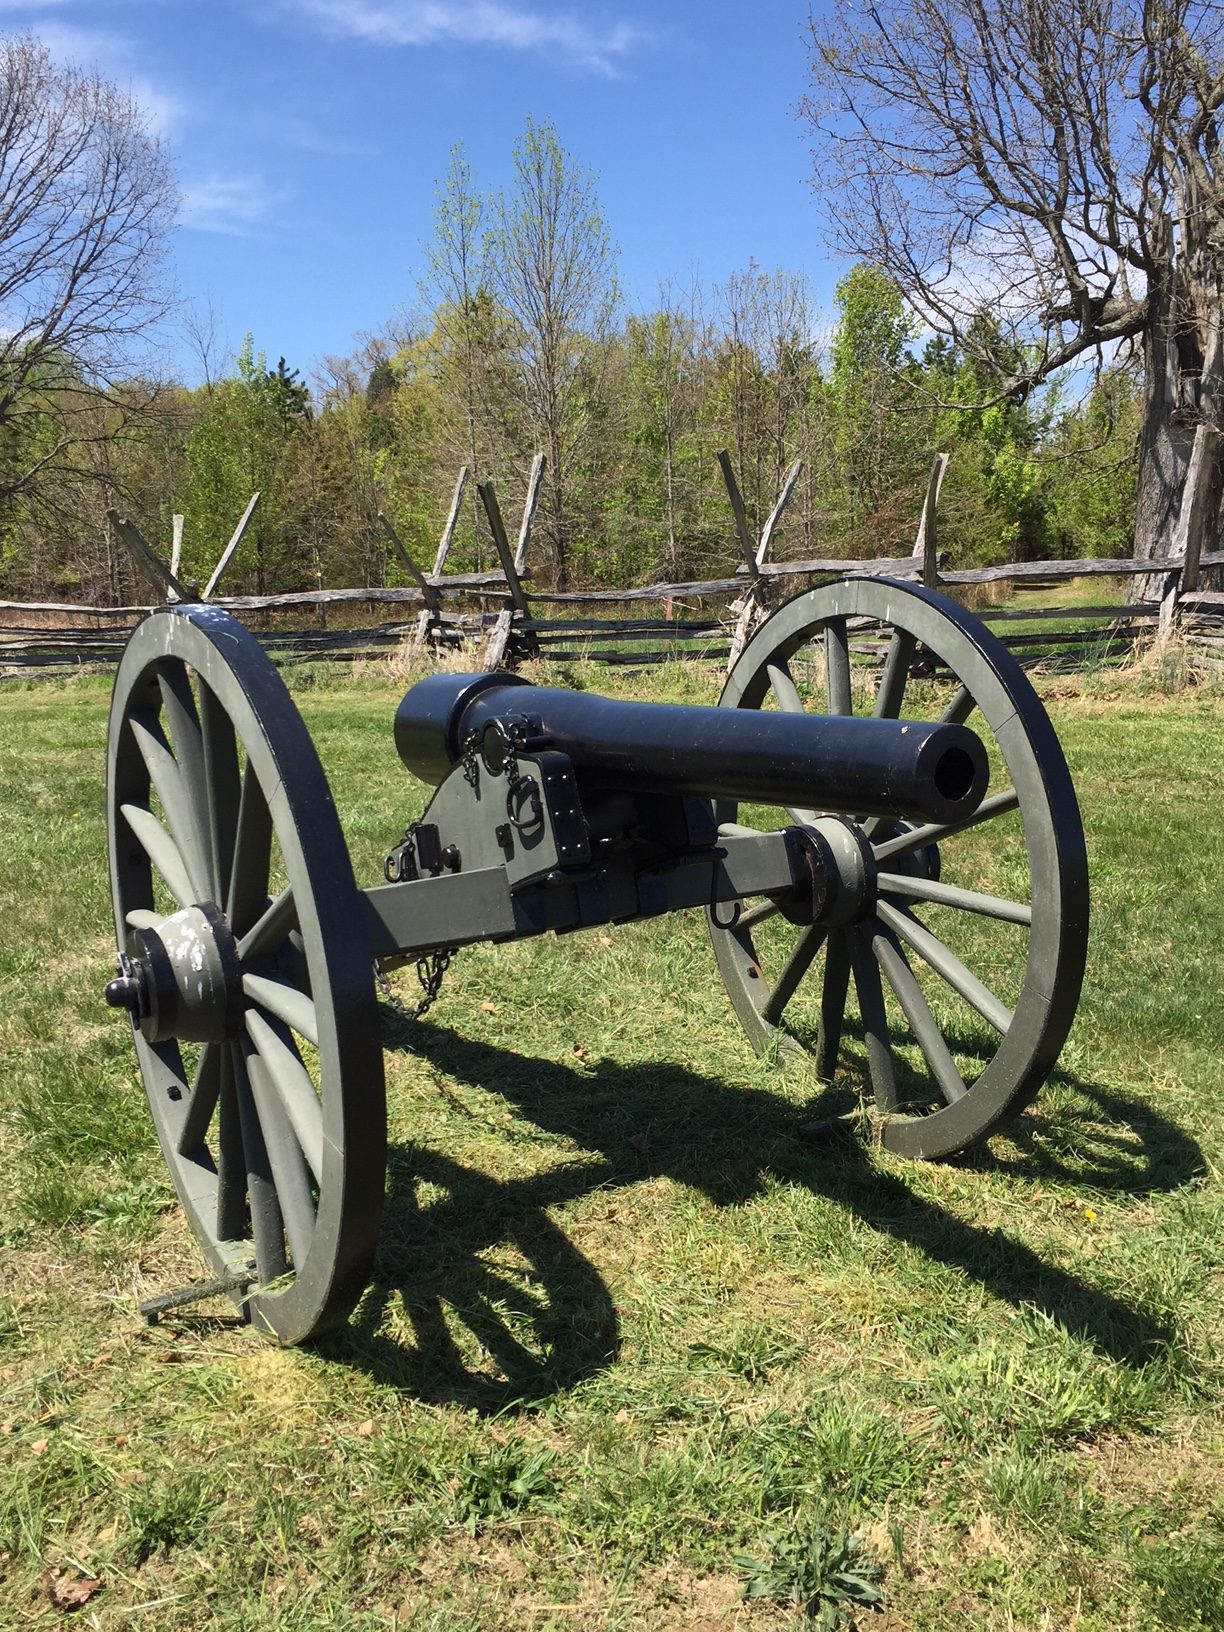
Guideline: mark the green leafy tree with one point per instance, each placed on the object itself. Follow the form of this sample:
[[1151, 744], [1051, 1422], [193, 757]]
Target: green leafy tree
[[1090, 469], [665, 367], [244, 442], [880, 442]]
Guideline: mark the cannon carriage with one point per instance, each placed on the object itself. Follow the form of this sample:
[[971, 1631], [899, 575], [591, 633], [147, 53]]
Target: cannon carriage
[[900, 841]]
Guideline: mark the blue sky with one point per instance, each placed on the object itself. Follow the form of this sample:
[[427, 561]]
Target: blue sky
[[309, 135]]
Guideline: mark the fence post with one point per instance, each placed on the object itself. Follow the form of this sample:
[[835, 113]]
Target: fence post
[[534, 483], [516, 603], [448, 532], [431, 614], [227, 553], [756, 597], [147, 559], [925, 548]]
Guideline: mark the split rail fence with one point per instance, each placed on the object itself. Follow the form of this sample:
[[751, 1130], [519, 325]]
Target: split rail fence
[[502, 618]]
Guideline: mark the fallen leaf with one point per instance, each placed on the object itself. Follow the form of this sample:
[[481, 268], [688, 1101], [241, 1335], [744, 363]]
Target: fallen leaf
[[101, 1360], [488, 1008], [67, 1590], [580, 1053], [7, 1427], [133, 1476], [622, 1416], [603, 940], [108, 1533], [366, 1428], [39, 1446]]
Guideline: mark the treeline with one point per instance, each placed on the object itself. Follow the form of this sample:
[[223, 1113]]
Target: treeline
[[524, 346]]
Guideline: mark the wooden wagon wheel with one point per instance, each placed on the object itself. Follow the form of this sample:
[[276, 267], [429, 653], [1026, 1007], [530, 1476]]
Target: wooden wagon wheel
[[244, 967], [965, 947]]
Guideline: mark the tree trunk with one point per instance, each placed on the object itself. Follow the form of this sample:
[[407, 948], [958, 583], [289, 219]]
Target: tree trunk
[[1183, 391], [560, 554]]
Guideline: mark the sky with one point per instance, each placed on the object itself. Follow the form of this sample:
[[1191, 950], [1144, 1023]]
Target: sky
[[308, 138]]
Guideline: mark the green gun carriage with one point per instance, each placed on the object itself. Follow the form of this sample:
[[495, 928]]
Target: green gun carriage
[[876, 816]]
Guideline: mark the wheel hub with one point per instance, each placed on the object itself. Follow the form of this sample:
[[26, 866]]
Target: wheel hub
[[182, 979]]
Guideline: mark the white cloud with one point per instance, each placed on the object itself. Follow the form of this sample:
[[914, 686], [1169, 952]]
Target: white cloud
[[475, 22], [232, 204]]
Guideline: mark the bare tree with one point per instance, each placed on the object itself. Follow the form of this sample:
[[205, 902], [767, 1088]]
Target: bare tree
[[455, 279], [1056, 163], [552, 266], [86, 203], [202, 333]]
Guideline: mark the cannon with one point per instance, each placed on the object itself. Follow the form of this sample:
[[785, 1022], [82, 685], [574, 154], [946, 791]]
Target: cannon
[[876, 818]]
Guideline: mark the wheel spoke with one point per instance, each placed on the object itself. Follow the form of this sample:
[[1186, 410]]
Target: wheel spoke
[[790, 702], [959, 709], [837, 664], [161, 851], [248, 891], [896, 673], [182, 719], [947, 965], [285, 1155], [267, 1221], [267, 933], [875, 1023], [230, 1156], [833, 1003], [202, 1101], [760, 914], [142, 918], [292, 1084], [295, 1008], [797, 965], [951, 895], [917, 1011], [784, 688], [183, 724], [166, 775], [224, 785], [936, 832]]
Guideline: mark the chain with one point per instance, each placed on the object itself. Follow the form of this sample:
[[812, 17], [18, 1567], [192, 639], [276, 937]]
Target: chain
[[430, 969], [471, 770]]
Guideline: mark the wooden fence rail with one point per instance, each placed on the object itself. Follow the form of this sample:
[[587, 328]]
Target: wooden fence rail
[[504, 618]]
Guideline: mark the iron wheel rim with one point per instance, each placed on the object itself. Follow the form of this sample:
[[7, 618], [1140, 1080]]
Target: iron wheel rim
[[177, 658], [1002, 696]]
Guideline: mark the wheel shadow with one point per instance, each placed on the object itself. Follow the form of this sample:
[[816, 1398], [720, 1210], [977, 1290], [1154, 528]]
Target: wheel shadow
[[483, 1255], [502, 1308]]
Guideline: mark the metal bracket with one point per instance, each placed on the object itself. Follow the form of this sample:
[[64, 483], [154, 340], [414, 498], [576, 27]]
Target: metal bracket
[[152, 1309]]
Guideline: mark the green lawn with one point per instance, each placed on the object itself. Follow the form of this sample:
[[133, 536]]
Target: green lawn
[[626, 1330]]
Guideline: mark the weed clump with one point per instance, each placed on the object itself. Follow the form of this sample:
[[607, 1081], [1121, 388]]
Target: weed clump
[[823, 1573], [498, 1483]]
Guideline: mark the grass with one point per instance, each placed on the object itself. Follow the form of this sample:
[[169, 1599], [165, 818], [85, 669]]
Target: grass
[[631, 1348]]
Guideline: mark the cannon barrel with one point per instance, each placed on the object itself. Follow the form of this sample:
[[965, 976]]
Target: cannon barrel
[[866, 767]]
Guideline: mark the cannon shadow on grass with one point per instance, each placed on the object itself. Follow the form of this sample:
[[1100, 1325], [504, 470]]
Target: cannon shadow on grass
[[549, 1327]]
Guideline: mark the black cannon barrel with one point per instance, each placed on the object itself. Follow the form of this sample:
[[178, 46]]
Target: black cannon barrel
[[903, 768]]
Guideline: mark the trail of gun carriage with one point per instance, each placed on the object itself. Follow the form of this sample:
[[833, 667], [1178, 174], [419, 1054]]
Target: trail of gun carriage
[[611, 1021]]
